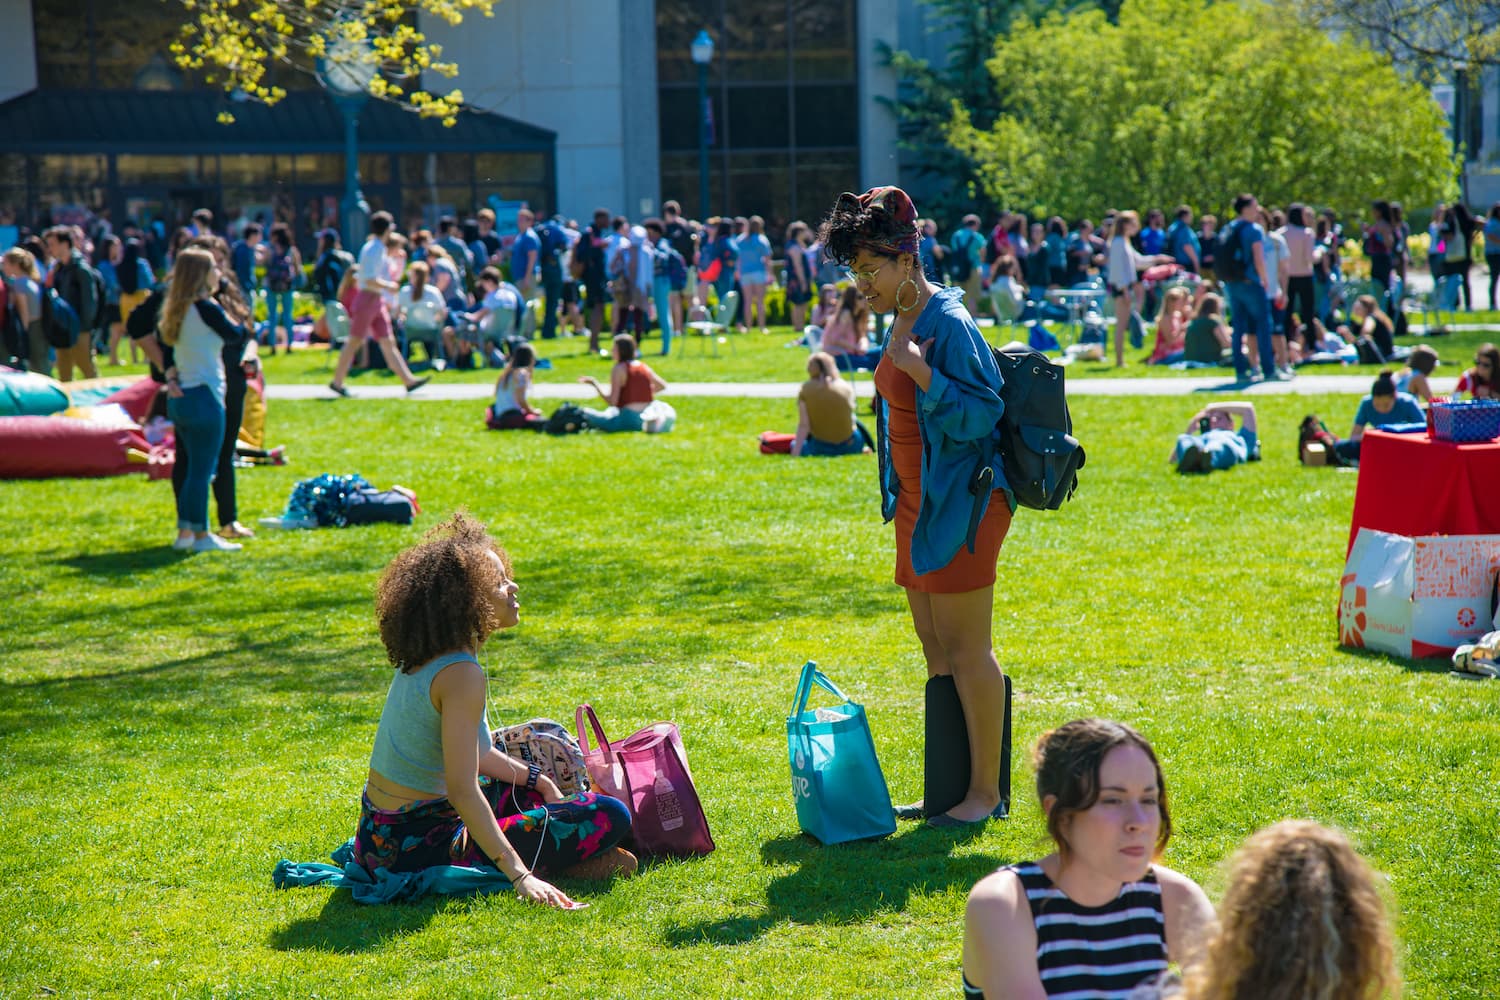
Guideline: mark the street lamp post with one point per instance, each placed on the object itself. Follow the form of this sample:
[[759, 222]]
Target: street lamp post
[[703, 54], [346, 72], [354, 216]]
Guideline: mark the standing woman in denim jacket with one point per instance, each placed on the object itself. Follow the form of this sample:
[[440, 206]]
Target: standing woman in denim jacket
[[938, 407]]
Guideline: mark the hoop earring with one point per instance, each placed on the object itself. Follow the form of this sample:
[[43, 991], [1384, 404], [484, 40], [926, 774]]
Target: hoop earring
[[916, 296]]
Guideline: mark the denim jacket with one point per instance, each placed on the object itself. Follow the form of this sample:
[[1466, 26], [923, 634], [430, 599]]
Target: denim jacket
[[957, 413]]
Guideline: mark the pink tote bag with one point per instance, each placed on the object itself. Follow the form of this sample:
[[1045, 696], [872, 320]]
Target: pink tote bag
[[648, 771]]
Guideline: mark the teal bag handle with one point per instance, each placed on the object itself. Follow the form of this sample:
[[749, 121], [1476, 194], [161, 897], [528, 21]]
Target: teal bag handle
[[812, 675]]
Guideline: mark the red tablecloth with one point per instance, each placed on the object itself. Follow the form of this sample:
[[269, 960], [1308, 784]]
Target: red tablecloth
[[1412, 485]]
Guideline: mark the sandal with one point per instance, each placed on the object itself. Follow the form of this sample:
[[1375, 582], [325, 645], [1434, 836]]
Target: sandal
[[235, 530]]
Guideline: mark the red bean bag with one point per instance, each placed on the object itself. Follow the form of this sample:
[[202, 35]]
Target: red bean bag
[[135, 398], [48, 447]]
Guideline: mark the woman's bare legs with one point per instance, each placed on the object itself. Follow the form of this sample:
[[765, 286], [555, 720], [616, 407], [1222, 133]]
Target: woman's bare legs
[[956, 637]]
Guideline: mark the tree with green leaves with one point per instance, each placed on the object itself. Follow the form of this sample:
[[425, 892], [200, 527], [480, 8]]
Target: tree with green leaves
[[374, 45], [928, 93], [1184, 101]]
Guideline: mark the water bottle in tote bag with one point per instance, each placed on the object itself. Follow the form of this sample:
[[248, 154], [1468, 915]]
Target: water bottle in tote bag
[[648, 771], [839, 788]]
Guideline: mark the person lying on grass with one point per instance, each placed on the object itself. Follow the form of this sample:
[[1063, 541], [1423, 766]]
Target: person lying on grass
[[1211, 442], [438, 792], [1097, 917]]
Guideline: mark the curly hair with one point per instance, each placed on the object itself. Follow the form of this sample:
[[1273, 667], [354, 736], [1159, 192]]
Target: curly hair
[[435, 596], [848, 229], [1302, 920], [1068, 760]]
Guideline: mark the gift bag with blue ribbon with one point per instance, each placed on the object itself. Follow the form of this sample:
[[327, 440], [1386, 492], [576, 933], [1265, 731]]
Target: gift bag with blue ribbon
[[837, 783]]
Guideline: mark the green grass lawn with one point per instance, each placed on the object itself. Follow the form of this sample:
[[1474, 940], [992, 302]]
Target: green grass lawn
[[753, 357], [171, 726]]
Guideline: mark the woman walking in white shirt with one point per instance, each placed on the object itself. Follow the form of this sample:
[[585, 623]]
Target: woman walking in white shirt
[[1125, 267]]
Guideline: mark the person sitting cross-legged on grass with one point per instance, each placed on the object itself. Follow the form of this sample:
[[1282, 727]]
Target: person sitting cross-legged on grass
[[632, 387], [1383, 407], [1302, 917], [438, 791], [1413, 378], [1211, 442], [1097, 917], [1206, 340], [511, 409], [825, 413]]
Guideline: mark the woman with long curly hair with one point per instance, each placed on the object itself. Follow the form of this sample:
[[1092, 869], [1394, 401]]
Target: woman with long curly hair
[[438, 791], [194, 334], [1302, 919], [937, 409]]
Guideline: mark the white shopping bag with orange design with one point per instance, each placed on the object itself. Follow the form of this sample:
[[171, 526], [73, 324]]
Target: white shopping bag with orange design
[[1418, 596]]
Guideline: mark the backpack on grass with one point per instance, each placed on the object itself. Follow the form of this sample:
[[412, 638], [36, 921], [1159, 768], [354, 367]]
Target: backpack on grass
[[566, 419], [549, 746], [1312, 431], [1038, 451]]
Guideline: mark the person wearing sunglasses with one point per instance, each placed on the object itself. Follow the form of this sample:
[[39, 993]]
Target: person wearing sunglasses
[[1480, 382], [937, 408]]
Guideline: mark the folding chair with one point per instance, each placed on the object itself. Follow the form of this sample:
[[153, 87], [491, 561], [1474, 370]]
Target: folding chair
[[713, 328], [336, 317], [425, 327]]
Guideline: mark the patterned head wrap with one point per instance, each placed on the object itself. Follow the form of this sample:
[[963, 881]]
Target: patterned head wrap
[[895, 203]]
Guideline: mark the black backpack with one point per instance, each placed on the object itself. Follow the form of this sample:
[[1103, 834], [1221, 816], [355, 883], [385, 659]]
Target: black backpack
[[1229, 257], [958, 263], [566, 419], [1038, 451]]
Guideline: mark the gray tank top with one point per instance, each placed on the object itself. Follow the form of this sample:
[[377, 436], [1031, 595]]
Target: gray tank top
[[409, 741]]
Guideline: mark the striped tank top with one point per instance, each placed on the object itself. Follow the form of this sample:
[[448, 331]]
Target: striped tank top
[[1093, 952]]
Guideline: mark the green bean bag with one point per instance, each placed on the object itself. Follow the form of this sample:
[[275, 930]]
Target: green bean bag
[[26, 394]]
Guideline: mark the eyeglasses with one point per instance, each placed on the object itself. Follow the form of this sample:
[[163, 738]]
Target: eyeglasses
[[867, 277]]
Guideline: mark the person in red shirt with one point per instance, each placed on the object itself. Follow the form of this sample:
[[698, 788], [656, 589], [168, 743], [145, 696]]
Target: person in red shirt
[[632, 387], [1482, 381]]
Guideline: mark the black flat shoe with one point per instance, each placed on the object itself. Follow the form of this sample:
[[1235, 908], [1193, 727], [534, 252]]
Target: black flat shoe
[[943, 821], [914, 811]]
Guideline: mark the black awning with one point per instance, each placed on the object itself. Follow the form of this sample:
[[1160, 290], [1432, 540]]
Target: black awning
[[309, 121]]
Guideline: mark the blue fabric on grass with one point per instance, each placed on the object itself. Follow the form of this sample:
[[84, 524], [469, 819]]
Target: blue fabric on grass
[[386, 886]]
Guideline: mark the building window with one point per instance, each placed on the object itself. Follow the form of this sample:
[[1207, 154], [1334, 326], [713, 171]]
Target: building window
[[783, 101]]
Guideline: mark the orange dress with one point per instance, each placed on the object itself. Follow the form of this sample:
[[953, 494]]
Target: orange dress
[[968, 570]]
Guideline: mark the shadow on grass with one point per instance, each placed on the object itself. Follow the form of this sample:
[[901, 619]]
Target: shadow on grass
[[125, 561], [1233, 385], [1412, 665], [345, 927], [847, 883]]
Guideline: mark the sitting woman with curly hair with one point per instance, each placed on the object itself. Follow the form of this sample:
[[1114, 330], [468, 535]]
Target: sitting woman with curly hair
[[1302, 918], [438, 792], [941, 481]]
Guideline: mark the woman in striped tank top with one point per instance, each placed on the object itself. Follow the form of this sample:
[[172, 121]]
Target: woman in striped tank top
[[1097, 918]]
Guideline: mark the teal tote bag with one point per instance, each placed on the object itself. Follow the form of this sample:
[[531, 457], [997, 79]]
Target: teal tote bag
[[840, 791]]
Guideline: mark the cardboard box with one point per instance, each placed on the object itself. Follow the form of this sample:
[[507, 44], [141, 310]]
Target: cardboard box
[[1418, 597], [1313, 453]]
